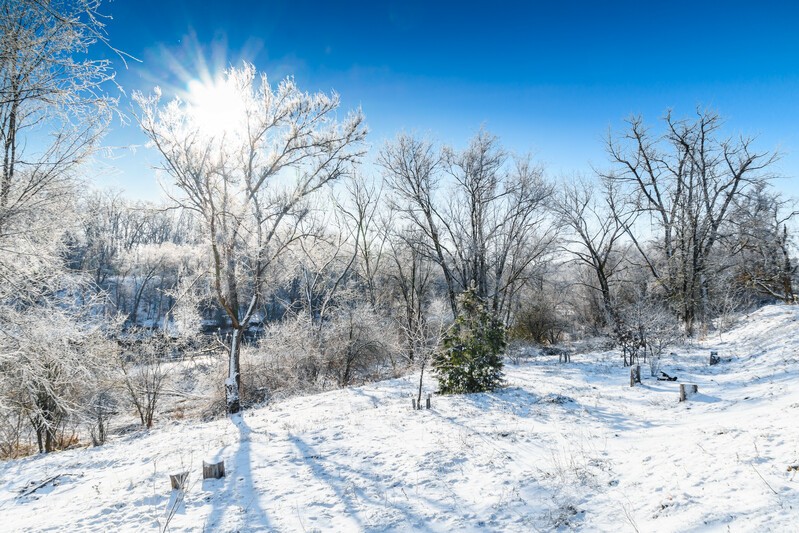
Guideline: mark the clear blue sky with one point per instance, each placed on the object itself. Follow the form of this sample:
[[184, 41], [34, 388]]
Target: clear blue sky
[[548, 78]]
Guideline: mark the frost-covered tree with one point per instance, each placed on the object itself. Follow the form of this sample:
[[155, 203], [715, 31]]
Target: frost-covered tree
[[594, 236], [684, 182], [245, 156], [54, 108], [135, 252], [762, 245], [51, 366], [482, 214]]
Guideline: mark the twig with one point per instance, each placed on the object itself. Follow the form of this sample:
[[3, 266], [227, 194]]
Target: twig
[[180, 495], [630, 518], [40, 485], [299, 516], [764, 480]]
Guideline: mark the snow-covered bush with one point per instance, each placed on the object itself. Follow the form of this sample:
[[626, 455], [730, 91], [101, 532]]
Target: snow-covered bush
[[539, 321], [651, 327], [357, 346], [50, 368], [286, 360], [144, 372], [297, 355]]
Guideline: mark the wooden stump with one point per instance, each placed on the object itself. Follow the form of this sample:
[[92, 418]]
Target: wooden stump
[[213, 470], [714, 358], [429, 400], [413, 403], [179, 481], [687, 390]]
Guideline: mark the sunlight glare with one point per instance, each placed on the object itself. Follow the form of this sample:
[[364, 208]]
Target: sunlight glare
[[217, 108]]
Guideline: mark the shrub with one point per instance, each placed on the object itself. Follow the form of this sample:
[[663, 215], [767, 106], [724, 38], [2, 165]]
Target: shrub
[[539, 322], [471, 356]]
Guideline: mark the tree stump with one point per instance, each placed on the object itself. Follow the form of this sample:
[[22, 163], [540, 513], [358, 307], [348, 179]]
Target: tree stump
[[413, 403], [687, 390], [714, 358], [213, 470], [179, 481], [428, 404]]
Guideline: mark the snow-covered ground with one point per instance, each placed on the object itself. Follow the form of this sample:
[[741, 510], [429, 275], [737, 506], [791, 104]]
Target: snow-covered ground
[[563, 446]]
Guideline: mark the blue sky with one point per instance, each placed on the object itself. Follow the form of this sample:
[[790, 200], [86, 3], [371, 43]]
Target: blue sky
[[549, 78]]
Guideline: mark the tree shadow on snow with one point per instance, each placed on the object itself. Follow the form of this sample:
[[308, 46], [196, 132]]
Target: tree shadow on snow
[[350, 486], [238, 488]]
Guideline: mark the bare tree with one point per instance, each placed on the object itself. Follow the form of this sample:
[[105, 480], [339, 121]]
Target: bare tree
[[145, 372], [425, 340], [686, 181], [362, 208], [412, 171], [236, 176], [325, 262], [489, 227], [412, 283], [595, 235]]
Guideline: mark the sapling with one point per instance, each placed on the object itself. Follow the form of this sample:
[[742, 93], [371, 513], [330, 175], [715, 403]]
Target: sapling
[[470, 359]]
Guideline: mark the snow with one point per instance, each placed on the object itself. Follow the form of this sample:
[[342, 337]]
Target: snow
[[563, 446]]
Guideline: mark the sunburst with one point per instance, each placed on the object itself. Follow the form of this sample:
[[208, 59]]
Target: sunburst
[[217, 108]]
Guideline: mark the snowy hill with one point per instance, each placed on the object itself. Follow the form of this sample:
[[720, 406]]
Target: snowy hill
[[563, 446]]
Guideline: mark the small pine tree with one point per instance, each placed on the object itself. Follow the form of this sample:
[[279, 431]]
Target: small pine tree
[[471, 356]]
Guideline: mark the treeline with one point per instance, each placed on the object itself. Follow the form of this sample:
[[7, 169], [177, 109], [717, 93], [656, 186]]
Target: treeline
[[551, 259]]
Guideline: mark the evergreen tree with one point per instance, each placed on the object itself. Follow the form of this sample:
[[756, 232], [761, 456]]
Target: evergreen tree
[[471, 355]]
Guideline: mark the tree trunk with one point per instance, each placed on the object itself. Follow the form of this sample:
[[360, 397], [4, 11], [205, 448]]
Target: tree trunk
[[233, 381], [40, 438], [421, 378], [49, 440]]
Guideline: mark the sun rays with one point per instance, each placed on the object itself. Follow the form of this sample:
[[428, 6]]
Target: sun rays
[[217, 107]]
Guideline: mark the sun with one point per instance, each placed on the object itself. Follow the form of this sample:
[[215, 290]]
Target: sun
[[216, 107]]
